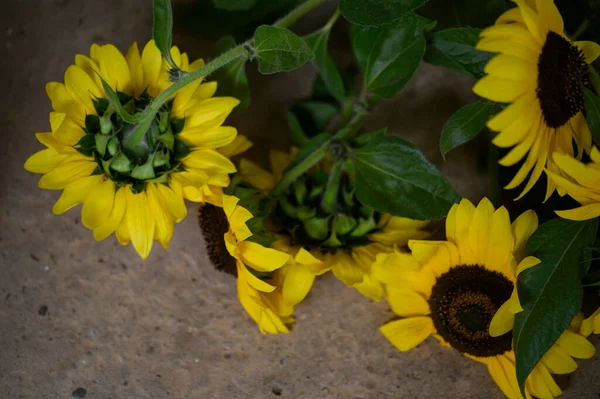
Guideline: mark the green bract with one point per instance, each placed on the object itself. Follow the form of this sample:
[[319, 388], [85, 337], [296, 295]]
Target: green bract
[[108, 139]]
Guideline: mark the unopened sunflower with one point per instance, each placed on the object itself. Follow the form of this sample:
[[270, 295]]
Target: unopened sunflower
[[347, 239], [134, 187], [452, 289], [580, 181], [541, 74]]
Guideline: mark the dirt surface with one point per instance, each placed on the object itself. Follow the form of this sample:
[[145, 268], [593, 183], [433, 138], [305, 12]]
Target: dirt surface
[[85, 319]]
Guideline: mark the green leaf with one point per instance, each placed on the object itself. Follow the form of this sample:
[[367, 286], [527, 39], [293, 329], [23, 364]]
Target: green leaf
[[377, 12], [162, 30], [232, 77], [310, 147], [367, 137], [393, 176], [550, 292], [279, 50], [296, 132], [235, 5], [464, 125], [592, 113], [325, 65], [455, 49], [390, 54]]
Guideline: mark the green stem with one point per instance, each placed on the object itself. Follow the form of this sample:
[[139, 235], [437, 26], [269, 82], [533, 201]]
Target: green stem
[[330, 197], [298, 170], [297, 13], [581, 29], [332, 20], [594, 79], [353, 126]]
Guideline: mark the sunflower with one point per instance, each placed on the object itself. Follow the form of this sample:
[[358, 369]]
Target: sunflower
[[452, 289], [347, 242], [258, 282], [137, 190], [541, 74], [580, 181]]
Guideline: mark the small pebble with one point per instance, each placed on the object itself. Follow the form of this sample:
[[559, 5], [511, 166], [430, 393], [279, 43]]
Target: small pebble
[[80, 393], [43, 310], [276, 391]]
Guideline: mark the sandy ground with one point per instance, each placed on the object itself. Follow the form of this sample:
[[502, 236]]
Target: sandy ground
[[85, 319]]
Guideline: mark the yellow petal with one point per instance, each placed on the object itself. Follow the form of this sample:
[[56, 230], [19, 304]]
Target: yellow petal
[[67, 173], [513, 33], [576, 345], [115, 69], [520, 150], [297, 284], [164, 223], [458, 222], [550, 15], [573, 189], [82, 87], [511, 16], [239, 145], [115, 218], [503, 320], [522, 228], [205, 91], [254, 281], [134, 61], [151, 64], [584, 212], [585, 175], [540, 161], [508, 115], [345, 268], [508, 47], [260, 258], [407, 303], [76, 193], [122, 231], [212, 138], [62, 101], [182, 101], [542, 383], [209, 161], [511, 68], [98, 204], [44, 161], [210, 112], [370, 288], [504, 374], [521, 126], [405, 334], [533, 21], [478, 231], [172, 202], [256, 176], [140, 222], [499, 90], [67, 131], [558, 361], [590, 50], [90, 67]]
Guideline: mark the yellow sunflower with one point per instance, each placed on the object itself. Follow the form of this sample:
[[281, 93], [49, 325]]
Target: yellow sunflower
[[366, 235], [259, 290], [452, 289], [541, 74], [134, 188], [580, 181]]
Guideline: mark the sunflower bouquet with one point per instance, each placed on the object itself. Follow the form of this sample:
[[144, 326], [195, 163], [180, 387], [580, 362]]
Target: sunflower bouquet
[[134, 135]]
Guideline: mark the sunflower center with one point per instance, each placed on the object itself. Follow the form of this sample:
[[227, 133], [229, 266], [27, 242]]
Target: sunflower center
[[302, 216], [562, 75], [463, 302], [214, 225], [128, 161]]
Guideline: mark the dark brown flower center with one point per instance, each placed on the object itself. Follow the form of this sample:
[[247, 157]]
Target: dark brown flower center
[[562, 75], [463, 302], [214, 225]]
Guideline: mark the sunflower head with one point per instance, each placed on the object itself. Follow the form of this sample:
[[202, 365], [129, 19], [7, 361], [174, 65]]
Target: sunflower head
[[132, 177], [541, 75]]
